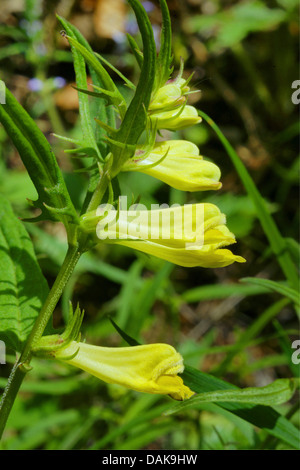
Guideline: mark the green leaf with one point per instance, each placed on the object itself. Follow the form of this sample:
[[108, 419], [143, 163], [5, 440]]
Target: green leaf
[[256, 414], [135, 119], [106, 62], [92, 133], [86, 118], [113, 93], [23, 287], [264, 417], [165, 52], [135, 50], [127, 338], [282, 289], [278, 392], [34, 149]]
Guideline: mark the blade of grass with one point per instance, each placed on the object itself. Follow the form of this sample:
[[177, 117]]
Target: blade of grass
[[277, 242], [286, 291]]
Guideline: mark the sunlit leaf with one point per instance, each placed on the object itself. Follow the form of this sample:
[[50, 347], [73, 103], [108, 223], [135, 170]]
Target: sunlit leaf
[[23, 287]]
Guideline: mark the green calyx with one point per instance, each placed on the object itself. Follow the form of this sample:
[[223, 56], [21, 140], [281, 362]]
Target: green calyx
[[48, 345]]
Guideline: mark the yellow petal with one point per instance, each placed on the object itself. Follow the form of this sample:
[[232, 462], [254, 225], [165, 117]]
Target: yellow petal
[[196, 242], [178, 164], [205, 257], [176, 147], [151, 368], [175, 387]]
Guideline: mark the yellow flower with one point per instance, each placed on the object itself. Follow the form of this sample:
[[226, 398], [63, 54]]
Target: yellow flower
[[189, 235], [177, 163], [151, 368]]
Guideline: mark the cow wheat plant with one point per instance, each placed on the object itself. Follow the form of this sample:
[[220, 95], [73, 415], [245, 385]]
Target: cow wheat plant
[[126, 134]]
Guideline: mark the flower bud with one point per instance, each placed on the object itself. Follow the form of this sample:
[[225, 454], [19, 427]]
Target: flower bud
[[167, 97], [177, 118]]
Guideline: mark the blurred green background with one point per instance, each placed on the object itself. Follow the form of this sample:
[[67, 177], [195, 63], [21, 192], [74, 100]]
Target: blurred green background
[[244, 55]]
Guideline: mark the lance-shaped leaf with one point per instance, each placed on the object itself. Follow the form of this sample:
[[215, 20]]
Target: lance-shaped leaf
[[165, 53], [261, 416], [280, 288], [276, 393], [118, 72], [109, 90], [134, 122], [86, 118], [264, 417], [22, 285], [92, 133], [35, 151], [135, 50]]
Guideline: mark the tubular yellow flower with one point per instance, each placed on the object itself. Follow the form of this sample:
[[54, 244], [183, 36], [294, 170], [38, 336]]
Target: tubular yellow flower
[[189, 235], [150, 368], [177, 163]]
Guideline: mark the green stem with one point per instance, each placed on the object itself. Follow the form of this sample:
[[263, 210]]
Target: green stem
[[277, 242], [22, 364], [99, 191], [9, 395]]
